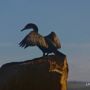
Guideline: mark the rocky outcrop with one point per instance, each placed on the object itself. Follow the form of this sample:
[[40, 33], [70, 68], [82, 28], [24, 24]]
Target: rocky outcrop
[[44, 73]]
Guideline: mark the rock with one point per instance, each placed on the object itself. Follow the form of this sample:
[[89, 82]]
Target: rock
[[44, 73]]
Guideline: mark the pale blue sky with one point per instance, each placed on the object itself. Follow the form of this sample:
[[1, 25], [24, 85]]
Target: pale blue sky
[[70, 19]]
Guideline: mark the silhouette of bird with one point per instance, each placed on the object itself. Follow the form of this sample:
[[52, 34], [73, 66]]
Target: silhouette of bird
[[47, 44]]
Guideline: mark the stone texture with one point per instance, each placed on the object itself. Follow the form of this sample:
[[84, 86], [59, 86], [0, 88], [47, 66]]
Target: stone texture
[[44, 73]]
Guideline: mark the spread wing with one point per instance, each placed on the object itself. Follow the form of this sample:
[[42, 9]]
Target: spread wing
[[33, 39], [54, 39]]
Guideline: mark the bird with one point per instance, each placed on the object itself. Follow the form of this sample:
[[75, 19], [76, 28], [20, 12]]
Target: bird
[[47, 44]]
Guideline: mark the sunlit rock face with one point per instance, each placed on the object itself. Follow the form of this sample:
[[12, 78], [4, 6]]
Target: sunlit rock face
[[44, 73]]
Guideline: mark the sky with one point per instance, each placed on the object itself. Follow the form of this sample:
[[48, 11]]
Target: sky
[[69, 19]]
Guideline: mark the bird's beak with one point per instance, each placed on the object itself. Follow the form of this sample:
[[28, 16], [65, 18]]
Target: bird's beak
[[23, 29]]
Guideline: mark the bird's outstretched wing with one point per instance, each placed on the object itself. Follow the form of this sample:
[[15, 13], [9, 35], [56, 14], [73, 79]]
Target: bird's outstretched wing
[[33, 39], [54, 39]]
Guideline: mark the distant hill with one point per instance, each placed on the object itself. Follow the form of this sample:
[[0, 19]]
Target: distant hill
[[78, 85]]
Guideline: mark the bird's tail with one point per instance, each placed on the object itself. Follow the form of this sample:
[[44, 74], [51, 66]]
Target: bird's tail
[[58, 53]]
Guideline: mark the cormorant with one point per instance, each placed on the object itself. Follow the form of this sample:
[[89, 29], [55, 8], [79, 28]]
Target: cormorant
[[47, 44]]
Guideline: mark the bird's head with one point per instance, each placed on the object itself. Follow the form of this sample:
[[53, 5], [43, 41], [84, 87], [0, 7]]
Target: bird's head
[[30, 26], [53, 34]]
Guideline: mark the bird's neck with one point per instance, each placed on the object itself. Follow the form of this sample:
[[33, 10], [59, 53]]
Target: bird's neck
[[35, 29]]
